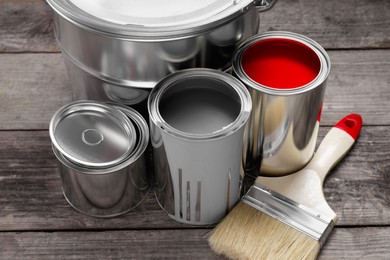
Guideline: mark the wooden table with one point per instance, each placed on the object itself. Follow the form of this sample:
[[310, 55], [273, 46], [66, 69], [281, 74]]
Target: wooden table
[[37, 223]]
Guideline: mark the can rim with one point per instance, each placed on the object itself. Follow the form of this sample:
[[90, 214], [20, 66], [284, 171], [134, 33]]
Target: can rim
[[95, 24], [158, 91], [323, 57], [80, 106]]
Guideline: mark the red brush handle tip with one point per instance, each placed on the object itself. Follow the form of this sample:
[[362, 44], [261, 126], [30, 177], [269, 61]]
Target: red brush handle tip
[[351, 124]]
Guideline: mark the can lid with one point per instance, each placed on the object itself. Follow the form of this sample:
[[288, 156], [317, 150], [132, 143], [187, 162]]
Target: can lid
[[150, 18], [92, 134]]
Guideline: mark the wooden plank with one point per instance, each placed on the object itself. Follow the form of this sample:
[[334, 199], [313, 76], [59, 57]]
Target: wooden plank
[[358, 189], [357, 243], [142, 244], [31, 193], [358, 83], [34, 86], [31, 197], [26, 25], [334, 24], [344, 243], [37, 223]]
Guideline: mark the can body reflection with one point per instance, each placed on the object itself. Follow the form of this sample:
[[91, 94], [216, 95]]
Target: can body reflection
[[286, 76], [197, 120], [100, 151]]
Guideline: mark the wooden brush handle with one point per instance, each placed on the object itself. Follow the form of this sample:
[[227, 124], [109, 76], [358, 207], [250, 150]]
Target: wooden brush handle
[[335, 145], [305, 186]]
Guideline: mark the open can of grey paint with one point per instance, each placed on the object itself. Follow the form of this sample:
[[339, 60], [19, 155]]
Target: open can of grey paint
[[197, 120], [286, 75], [100, 149]]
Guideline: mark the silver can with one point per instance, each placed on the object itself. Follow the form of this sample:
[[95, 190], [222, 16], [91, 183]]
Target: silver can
[[100, 149], [118, 50], [197, 120], [286, 76]]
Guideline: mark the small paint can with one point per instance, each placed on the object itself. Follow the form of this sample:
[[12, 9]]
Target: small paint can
[[100, 149], [197, 121], [286, 75]]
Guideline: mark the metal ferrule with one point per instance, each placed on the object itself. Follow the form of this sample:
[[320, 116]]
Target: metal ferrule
[[296, 215]]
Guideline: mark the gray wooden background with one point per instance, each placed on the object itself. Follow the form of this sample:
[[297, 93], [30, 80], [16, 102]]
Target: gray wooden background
[[37, 223]]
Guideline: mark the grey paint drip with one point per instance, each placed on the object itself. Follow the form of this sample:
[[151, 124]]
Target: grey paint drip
[[188, 203], [200, 117], [198, 202], [228, 191], [181, 193]]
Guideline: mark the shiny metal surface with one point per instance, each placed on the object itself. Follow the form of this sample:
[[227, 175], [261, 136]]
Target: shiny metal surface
[[155, 13], [281, 134], [308, 221], [85, 131], [197, 171], [154, 20], [124, 68], [108, 191]]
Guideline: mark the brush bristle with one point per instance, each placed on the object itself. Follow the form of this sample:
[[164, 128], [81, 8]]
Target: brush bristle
[[247, 233]]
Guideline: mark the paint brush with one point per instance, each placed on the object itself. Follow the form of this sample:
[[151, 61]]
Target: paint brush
[[287, 217]]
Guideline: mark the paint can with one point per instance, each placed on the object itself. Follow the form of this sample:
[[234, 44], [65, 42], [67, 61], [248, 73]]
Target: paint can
[[286, 75], [197, 121], [100, 150], [117, 51]]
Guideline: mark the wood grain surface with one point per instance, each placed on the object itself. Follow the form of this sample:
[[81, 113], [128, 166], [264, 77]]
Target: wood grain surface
[[26, 25], [34, 86], [36, 222], [31, 195], [344, 243]]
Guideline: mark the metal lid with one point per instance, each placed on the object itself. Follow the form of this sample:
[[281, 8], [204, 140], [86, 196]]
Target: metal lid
[[92, 134], [153, 18], [141, 128]]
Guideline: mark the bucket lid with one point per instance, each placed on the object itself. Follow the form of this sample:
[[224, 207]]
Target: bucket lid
[[92, 134], [153, 18]]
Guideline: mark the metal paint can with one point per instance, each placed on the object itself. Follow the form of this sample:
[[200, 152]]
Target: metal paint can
[[117, 50], [286, 75], [100, 149], [197, 120]]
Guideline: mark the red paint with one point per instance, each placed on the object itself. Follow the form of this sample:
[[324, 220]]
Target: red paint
[[319, 114], [281, 63], [351, 124]]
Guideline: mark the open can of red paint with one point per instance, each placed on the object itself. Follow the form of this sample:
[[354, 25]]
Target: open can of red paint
[[286, 75]]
